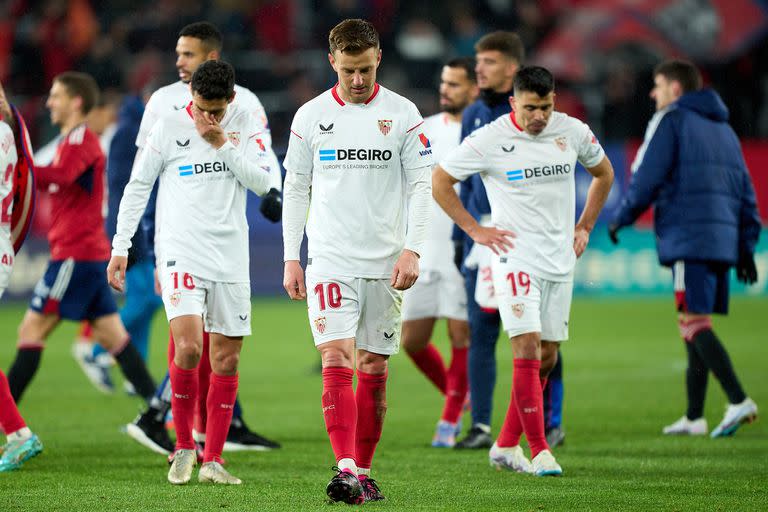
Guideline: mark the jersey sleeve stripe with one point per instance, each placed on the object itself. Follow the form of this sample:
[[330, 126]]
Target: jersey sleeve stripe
[[411, 129], [473, 147], [296, 134]]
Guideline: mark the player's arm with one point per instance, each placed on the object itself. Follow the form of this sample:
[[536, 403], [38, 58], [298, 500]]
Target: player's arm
[[597, 195], [146, 169], [418, 192], [70, 163], [296, 196], [749, 232], [650, 175]]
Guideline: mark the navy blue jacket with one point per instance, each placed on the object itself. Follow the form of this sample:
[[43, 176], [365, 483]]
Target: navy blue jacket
[[122, 151], [473, 195], [694, 172]]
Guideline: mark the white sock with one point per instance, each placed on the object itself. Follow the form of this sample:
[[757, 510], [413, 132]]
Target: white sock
[[20, 435], [197, 436], [347, 463], [364, 471]]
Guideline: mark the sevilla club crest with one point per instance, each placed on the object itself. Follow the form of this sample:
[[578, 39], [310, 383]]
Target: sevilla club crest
[[518, 310], [320, 324], [175, 298], [561, 143], [385, 125], [234, 138]]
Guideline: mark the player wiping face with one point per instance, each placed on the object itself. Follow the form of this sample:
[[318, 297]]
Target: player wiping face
[[207, 115]]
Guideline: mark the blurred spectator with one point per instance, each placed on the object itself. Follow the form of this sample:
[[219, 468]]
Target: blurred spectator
[[422, 48]]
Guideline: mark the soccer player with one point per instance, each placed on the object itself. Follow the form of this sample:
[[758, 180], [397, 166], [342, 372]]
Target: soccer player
[[439, 292], [198, 43], [527, 162], [73, 286], [202, 249], [706, 222], [361, 150], [21, 443]]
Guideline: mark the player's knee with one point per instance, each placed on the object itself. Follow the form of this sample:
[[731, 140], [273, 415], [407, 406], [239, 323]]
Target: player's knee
[[459, 337], [335, 357], [188, 350], [373, 364], [548, 358], [225, 364], [690, 326]]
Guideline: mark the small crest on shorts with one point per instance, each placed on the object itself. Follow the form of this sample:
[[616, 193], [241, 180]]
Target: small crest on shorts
[[234, 138], [385, 125], [518, 310], [175, 298], [320, 324], [561, 143]]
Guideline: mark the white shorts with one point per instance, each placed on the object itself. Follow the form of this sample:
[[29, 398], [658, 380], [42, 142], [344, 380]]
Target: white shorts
[[436, 295], [225, 307], [531, 304], [353, 307]]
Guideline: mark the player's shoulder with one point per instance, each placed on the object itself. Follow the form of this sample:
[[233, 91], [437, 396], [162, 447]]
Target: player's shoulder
[[562, 122], [6, 138], [81, 135], [314, 108], [245, 96], [396, 102], [435, 121], [170, 92]]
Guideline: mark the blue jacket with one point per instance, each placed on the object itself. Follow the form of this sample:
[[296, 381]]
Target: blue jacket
[[473, 195], [691, 167], [122, 151]]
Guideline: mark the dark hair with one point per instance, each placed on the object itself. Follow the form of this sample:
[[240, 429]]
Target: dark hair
[[680, 71], [465, 63], [214, 80], [534, 79], [80, 85], [205, 32], [353, 36], [508, 43]]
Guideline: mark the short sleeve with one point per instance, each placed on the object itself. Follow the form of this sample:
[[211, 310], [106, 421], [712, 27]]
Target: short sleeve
[[417, 148], [298, 158], [466, 160], [588, 148]]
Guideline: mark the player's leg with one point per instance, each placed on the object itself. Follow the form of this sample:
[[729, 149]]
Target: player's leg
[[89, 357], [33, 331], [484, 333], [420, 307], [203, 382], [553, 405], [21, 443]]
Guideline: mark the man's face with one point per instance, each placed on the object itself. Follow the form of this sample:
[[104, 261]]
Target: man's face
[[665, 91], [61, 104], [356, 72], [190, 53], [494, 70], [217, 108], [532, 111], [456, 90]]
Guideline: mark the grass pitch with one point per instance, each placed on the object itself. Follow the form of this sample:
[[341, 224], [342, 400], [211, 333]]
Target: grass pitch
[[624, 377]]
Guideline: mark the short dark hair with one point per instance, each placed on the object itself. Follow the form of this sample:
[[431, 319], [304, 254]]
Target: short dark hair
[[465, 63], [681, 71], [534, 79], [508, 43], [80, 85], [353, 36], [205, 32], [214, 80]]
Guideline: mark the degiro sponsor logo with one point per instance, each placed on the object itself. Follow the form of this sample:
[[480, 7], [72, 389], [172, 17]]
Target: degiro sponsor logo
[[539, 172], [333, 155], [207, 167]]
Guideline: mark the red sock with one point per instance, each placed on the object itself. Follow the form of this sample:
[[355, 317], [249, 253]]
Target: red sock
[[203, 380], [10, 419], [430, 362], [183, 400], [530, 402], [221, 403], [512, 429], [457, 385], [371, 398], [340, 411]]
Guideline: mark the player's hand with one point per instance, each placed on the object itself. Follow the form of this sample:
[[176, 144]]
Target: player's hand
[[406, 270], [271, 206], [613, 233], [580, 241], [209, 128], [498, 240], [458, 253], [746, 270], [293, 280], [116, 272]]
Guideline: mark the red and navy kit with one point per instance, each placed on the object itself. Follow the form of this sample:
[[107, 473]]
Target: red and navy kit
[[74, 286], [77, 172]]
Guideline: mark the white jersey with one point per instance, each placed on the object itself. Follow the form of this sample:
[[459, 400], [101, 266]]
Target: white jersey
[[445, 135], [8, 160], [201, 224], [175, 98], [530, 185], [368, 166]]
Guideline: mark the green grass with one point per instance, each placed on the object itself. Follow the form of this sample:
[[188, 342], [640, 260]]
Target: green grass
[[623, 376]]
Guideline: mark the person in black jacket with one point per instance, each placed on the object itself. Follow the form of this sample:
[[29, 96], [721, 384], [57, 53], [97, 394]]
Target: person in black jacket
[[691, 168]]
